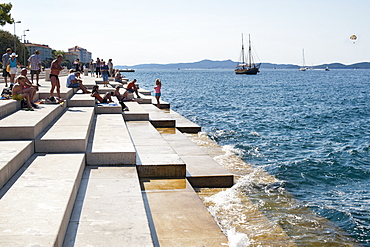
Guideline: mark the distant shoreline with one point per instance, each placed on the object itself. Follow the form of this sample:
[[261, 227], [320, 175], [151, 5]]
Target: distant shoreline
[[229, 64]]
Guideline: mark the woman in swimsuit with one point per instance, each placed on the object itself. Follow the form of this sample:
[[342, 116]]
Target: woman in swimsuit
[[95, 93]]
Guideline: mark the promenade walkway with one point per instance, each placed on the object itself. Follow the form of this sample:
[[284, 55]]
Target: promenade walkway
[[80, 174]]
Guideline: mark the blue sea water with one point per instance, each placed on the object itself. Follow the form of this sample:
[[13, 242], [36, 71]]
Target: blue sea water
[[309, 129]]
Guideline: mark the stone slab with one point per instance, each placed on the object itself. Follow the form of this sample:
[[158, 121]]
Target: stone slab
[[201, 169], [155, 157], [28, 124], [179, 217], [69, 133], [110, 143], [109, 210], [159, 118], [183, 124], [35, 211], [13, 154], [135, 112], [115, 108], [8, 107], [81, 100]]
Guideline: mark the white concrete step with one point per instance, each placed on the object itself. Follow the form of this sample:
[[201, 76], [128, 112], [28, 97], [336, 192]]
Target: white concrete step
[[111, 108], [109, 210], [23, 125], [36, 209], [69, 133], [155, 157], [8, 107], [183, 124], [13, 154], [135, 112], [110, 143], [81, 100], [159, 118]]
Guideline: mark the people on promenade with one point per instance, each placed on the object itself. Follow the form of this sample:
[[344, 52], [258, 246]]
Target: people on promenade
[[73, 81], [157, 88], [28, 87], [5, 59], [55, 68], [97, 69], [104, 72], [95, 93], [34, 62], [77, 65], [21, 93], [91, 66], [110, 67], [131, 87], [13, 62]]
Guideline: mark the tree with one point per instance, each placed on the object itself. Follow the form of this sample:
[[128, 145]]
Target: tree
[[5, 16]]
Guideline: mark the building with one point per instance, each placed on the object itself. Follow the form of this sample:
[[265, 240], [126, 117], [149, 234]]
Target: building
[[45, 51], [70, 56], [82, 54]]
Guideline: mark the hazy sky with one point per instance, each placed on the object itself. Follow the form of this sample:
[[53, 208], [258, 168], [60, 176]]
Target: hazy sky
[[171, 31]]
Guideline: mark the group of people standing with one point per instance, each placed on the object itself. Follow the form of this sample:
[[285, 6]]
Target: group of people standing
[[96, 67], [10, 64]]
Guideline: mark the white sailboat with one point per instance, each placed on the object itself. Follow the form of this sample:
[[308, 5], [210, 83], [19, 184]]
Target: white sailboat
[[304, 67]]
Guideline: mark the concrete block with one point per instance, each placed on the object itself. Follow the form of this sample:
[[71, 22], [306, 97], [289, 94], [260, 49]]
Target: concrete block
[[108, 109], [13, 154], [110, 143], [109, 210], [69, 133], [159, 118], [35, 211], [81, 100], [23, 125], [183, 124], [135, 112], [8, 107]]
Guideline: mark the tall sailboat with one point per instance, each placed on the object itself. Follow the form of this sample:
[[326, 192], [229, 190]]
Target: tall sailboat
[[247, 65], [304, 67]]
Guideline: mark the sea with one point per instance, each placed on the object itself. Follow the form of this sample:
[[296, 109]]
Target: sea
[[298, 143]]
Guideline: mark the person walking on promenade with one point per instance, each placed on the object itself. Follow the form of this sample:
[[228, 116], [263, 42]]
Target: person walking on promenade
[[55, 68], [91, 66], [131, 87], [34, 62], [97, 69], [5, 60], [110, 67], [104, 72], [157, 88], [13, 62]]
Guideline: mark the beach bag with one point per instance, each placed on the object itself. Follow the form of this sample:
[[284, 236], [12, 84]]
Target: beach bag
[[8, 68], [6, 91]]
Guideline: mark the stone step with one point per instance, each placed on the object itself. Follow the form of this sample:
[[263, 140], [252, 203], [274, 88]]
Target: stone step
[[8, 107], [69, 134], [36, 209], [81, 100], [13, 154], [135, 112], [108, 108], [110, 142], [65, 93], [163, 104], [178, 215], [109, 210], [23, 125], [158, 118], [183, 124], [201, 169], [155, 157]]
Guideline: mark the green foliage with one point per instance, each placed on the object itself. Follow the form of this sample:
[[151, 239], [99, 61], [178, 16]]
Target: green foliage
[[5, 16], [7, 41]]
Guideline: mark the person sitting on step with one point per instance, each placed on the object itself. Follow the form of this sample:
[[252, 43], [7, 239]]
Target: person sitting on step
[[21, 92], [95, 93], [73, 81]]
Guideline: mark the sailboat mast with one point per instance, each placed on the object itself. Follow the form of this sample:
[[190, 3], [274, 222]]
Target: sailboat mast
[[250, 53], [243, 50]]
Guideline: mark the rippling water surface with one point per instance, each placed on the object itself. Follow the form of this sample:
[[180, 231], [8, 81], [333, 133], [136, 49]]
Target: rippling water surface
[[308, 129]]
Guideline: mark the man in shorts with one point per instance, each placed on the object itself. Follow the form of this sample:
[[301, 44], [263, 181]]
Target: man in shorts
[[34, 62], [55, 68], [5, 60], [73, 81], [131, 87]]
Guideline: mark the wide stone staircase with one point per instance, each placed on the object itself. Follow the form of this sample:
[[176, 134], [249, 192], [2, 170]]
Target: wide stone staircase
[[82, 174]]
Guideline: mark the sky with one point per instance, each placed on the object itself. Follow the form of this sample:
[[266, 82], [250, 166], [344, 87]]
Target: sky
[[169, 31]]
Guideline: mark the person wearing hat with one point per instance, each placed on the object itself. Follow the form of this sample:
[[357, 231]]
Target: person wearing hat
[[5, 59], [34, 61], [13, 62]]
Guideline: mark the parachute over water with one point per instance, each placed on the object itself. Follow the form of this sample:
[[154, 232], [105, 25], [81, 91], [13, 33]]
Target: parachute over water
[[353, 37]]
